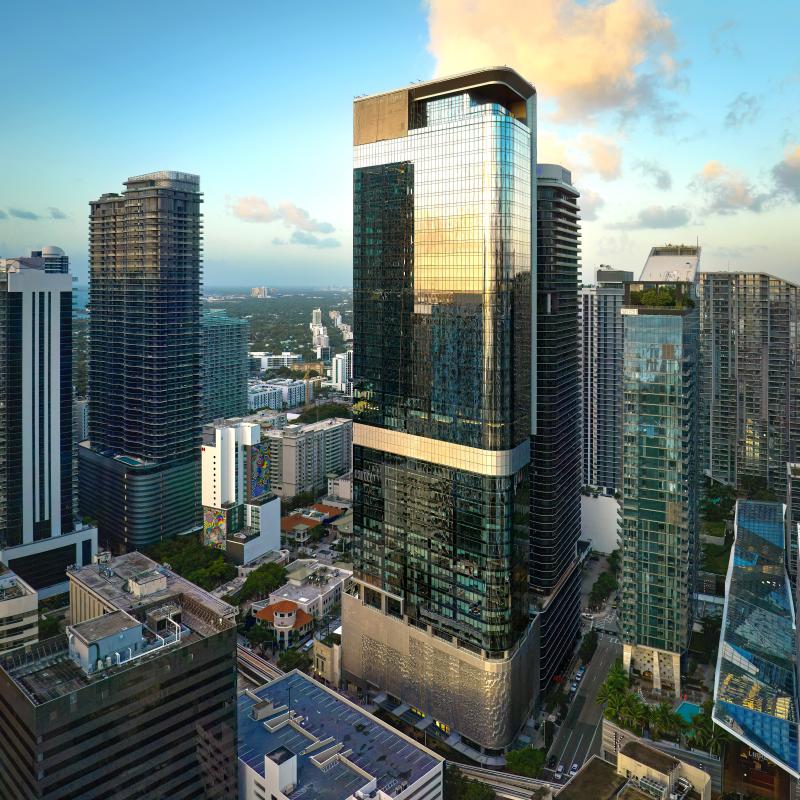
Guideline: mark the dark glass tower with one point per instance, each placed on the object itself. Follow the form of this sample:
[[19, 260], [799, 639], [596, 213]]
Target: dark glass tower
[[140, 475], [439, 616], [225, 365], [556, 443]]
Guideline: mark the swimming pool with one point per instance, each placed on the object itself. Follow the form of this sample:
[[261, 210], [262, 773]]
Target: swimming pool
[[688, 710]]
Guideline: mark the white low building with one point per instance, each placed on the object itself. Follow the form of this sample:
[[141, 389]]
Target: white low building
[[313, 586], [275, 361]]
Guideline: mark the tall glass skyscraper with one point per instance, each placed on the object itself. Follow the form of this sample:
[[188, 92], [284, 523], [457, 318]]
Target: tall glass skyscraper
[[659, 476], [750, 377], [439, 614], [225, 365], [601, 369], [140, 473], [556, 445]]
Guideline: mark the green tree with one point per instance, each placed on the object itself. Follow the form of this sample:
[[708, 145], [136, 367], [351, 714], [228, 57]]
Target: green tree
[[262, 581], [527, 762], [208, 567], [49, 627], [325, 411], [457, 787], [588, 646], [294, 659]]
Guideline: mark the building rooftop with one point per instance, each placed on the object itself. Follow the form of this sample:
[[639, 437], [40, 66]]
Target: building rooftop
[[595, 780], [649, 756], [136, 592], [12, 587], [112, 582], [481, 78], [321, 714], [107, 625], [755, 691], [21, 263], [267, 614], [308, 579], [672, 262]]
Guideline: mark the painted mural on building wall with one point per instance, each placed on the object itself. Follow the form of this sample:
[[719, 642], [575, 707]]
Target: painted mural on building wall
[[214, 527], [258, 458]]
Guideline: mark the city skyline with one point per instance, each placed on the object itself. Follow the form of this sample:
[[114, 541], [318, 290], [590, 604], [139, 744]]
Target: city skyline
[[659, 138]]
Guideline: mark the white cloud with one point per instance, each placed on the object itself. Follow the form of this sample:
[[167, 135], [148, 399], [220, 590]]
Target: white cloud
[[593, 56]]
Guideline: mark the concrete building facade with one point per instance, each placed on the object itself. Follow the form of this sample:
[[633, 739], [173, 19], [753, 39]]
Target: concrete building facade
[[19, 612], [39, 535], [240, 512], [303, 457], [750, 377], [140, 693]]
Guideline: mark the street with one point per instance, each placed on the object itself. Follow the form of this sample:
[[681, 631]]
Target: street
[[575, 738]]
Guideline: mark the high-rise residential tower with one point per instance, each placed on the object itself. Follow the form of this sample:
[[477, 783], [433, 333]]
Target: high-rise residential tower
[[439, 612], [750, 377], [225, 365], [140, 476], [659, 464], [555, 471], [601, 369], [39, 537]]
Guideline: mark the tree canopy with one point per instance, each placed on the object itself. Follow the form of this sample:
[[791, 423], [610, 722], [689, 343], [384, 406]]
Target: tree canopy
[[207, 567]]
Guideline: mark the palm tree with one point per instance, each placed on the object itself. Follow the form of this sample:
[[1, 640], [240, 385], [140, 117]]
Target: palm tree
[[614, 706], [661, 721], [629, 712]]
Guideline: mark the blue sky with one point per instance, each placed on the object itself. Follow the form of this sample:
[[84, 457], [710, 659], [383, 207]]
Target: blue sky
[[680, 120]]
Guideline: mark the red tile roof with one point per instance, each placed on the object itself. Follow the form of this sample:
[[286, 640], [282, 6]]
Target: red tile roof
[[302, 618]]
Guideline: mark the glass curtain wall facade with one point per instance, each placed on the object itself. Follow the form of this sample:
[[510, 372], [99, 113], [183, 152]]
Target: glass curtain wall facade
[[555, 492], [659, 478], [225, 365], [750, 389], [442, 399], [601, 370], [140, 475], [755, 690]]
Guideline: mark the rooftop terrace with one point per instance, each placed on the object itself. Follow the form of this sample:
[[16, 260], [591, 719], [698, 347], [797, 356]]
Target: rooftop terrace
[[350, 735], [755, 692]]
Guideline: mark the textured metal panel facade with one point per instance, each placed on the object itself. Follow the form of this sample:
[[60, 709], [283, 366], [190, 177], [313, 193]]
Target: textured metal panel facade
[[486, 700], [378, 118]]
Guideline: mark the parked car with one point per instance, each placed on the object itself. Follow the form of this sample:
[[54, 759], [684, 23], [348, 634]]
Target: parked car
[[560, 772], [573, 769], [574, 688]]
